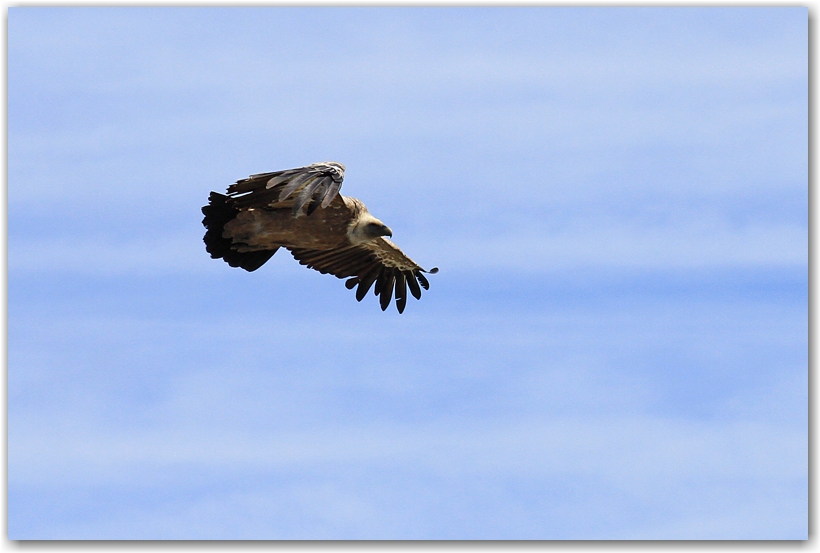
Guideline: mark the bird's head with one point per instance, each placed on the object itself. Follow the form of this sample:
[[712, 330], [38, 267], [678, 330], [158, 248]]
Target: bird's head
[[367, 228]]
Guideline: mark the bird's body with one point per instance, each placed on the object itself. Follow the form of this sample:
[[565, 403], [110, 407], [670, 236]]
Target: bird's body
[[265, 229], [301, 210]]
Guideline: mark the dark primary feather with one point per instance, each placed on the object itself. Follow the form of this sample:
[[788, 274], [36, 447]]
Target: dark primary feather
[[422, 280], [414, 286], [401, 291], [386, 293], [367, 279]]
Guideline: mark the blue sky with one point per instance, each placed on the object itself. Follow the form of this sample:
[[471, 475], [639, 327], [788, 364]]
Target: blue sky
[[616, 344]]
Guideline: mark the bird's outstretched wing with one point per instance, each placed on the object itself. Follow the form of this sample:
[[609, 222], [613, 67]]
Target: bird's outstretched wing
[[314, 185], [378, 261]]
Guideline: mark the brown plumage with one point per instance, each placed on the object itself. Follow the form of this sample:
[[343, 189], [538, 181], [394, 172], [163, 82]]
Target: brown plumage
[[301, 210]]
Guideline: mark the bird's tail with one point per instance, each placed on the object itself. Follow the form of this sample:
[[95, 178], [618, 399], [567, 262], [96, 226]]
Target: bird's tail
[[217, 214]]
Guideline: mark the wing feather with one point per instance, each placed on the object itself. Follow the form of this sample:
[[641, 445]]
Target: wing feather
[[319, 195], [315, 185], [332, 190], [382, 278], [401, 291], [307, 194], [414, 285], [378, 261], [295, 183], [386, 293], [278, 177], [422, 280], [367, 280]]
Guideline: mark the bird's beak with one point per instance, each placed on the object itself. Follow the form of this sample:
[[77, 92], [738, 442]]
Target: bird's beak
[[387, 232]]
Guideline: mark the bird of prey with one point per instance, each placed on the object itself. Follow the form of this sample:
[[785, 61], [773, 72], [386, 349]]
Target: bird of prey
[[301, 210]]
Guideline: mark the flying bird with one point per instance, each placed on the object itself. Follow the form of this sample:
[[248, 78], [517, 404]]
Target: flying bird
[[302, 211]]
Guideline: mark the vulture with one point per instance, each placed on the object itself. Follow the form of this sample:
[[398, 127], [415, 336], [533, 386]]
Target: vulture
[[302, 211]]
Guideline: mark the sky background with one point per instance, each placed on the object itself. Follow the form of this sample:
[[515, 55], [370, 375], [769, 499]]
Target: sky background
[[616, 344]]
